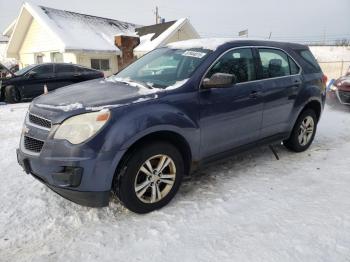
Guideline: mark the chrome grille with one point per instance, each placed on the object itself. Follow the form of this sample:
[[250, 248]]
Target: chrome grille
[[39, 121], [33, 144]]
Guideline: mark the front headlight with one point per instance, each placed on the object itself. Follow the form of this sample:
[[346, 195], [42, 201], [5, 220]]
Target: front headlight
[[78, 129]]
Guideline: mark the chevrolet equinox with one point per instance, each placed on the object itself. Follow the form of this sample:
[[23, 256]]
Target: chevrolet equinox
[[139, 132]]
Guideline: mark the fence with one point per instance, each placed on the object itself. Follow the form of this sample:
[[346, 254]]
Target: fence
[[334, 69]]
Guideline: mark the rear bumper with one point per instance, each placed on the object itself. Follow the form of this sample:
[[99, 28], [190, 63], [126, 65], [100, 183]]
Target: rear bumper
[[66, 182]]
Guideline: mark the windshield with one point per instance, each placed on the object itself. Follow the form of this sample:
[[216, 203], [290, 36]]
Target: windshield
[[24, 70], [163, 67]]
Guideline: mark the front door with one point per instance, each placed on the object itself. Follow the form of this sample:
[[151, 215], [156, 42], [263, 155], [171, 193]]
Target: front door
[[37, 78], [231, 116]]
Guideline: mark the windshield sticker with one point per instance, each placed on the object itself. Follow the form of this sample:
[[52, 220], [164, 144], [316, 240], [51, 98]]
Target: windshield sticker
[[194, 54]]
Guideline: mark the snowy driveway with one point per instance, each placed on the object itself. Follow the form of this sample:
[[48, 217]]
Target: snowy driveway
[[248, 208]]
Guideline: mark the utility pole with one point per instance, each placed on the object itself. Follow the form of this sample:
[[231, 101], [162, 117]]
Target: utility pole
[[270, 35], [157, 15]]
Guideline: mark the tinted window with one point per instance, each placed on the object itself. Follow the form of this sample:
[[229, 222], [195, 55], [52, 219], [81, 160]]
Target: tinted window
[[274, 63], [294, 68], [100, 64], [64, 68], [43, 69], [238, 62], [311, 62]]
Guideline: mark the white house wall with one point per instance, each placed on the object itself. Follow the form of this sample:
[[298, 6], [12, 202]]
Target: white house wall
[[184, 33], [37, 40]]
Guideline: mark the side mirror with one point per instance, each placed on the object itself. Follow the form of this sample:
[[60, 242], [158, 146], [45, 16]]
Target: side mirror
[[219, 80], [32, 74]]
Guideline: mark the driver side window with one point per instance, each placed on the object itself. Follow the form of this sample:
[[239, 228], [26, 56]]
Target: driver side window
[[237, 62], [43, 70]]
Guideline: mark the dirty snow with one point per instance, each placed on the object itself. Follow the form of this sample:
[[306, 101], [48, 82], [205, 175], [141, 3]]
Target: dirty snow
[[247, 208]]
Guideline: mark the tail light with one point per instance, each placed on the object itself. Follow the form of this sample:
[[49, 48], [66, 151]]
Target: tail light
[[324, 79]]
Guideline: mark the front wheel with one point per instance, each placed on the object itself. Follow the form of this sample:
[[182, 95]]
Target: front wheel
[[151, 177], [303, 132], [12, 95]]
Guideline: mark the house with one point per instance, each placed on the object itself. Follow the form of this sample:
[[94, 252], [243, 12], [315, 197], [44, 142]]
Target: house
[[42, 34], [158, 35]]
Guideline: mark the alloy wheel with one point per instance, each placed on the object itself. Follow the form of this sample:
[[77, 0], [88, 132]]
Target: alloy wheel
[[306, 130], [155, 178]]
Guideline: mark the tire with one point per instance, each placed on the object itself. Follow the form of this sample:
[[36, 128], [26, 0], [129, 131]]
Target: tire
[[12, 95], [137, 176], [301, 138]]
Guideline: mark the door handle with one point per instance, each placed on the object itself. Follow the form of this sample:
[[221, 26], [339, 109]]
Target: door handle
[[297, 81], [253, 94]]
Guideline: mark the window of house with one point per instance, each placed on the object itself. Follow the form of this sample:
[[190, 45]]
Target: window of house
[[39, 58], [238, 62], [100, 64], [57, 57], [274, 63]]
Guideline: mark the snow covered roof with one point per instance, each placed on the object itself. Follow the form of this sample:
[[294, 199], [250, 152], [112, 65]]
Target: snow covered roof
[[78, 31], [150, 41]]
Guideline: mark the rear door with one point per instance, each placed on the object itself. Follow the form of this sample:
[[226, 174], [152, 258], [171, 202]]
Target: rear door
[[231, 116], [281, 81], [64, 75]]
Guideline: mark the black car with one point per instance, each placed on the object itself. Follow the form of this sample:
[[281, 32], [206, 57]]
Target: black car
[[29, 82]]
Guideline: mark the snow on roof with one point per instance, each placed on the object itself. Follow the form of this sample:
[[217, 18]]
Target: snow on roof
[[205, 43], [147, 44], [208, 43], [80, 31]]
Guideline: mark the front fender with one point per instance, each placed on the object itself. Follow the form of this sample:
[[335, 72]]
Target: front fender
[[134, 122]]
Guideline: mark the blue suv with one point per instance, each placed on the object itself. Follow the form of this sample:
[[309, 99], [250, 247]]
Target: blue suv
[[139, 132]]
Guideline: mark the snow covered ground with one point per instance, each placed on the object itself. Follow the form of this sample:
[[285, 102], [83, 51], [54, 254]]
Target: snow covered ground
[[247, 208]]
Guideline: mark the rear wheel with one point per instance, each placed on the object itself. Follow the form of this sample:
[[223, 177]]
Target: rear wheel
[[12, 95], [303, 132], [151, 177]]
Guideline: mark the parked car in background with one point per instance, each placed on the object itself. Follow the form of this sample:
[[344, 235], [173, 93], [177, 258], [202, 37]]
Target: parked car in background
[[29, 82], [139, 132], [339, 92]]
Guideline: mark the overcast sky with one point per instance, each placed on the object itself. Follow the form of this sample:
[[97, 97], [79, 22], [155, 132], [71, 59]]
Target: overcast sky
[[287, 19]]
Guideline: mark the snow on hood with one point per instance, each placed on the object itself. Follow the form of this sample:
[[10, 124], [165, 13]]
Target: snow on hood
[[96, 95]]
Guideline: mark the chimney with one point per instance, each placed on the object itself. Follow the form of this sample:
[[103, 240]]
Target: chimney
[[126, 44]]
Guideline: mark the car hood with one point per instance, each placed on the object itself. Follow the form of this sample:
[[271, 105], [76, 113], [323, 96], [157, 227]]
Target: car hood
[[91, 95]]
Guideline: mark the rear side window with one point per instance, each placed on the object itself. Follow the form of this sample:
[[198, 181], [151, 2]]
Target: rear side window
[[275, 63], [311, 62], [64, 69], [238, 62], [294, 68]]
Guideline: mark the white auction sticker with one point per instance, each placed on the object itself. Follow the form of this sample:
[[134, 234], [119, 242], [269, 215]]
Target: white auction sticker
[[194, 54]]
